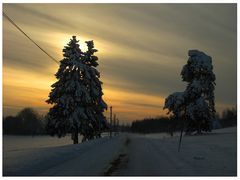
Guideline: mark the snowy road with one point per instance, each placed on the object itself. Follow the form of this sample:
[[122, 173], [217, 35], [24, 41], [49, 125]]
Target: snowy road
[[129, 154], [207, 155]]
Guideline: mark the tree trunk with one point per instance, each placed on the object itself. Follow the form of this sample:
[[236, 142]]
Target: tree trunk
[[199, 131], [75, 137], [199, 128], [84, 138]]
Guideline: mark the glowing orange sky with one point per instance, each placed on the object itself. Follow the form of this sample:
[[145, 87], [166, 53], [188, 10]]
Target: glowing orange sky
[[142, 49]]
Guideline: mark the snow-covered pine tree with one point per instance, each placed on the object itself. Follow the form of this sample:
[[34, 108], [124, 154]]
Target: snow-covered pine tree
[[198, 73], [98, 120], [70, 94], [196, 104]]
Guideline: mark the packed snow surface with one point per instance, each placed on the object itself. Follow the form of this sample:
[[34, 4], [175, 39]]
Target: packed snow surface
[[212, 154]]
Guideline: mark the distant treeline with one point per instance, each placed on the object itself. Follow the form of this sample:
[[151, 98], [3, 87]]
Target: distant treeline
[[26, 122], [165, 124], [29, 122], [228, 118], [155, 125]]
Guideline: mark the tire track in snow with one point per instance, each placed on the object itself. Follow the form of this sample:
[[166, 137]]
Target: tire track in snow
[[119, 161]]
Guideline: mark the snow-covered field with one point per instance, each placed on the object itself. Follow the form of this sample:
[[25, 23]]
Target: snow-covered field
[[214, 154], [16, 143]]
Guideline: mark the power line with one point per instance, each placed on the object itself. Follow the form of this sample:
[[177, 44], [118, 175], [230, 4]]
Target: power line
[[12, 22]]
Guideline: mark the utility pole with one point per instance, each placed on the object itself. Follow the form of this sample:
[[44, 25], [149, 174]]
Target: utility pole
[[110, 121], [99, 129], [114, 124], [117, 126]]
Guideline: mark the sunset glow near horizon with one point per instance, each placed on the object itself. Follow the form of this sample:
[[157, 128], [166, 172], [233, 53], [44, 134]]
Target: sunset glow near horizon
[[141, 49]]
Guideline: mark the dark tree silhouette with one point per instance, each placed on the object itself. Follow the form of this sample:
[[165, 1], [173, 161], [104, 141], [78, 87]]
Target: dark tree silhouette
[[76, 95], [27, 122], [196, 104]]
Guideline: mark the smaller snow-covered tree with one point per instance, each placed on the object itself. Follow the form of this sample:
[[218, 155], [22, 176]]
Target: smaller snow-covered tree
[[196, 104]]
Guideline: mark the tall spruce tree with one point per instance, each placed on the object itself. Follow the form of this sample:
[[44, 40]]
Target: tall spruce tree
[[196, 104], [70, 95], [98, 120]]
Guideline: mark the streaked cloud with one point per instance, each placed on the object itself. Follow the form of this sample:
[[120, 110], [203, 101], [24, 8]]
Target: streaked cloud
[[142, 48]]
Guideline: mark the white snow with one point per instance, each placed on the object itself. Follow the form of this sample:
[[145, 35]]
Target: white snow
[[154, 154], [89, 157], [214, 154], [18, 143]]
